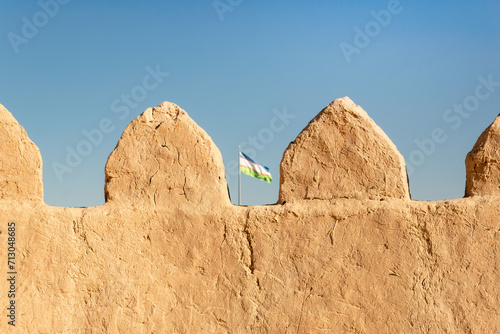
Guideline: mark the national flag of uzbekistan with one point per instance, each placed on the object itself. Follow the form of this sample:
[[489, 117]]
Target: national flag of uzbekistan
[[250, 167]]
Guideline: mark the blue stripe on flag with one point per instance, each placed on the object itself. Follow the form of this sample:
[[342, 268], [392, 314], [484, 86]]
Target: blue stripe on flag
[[243, 155]]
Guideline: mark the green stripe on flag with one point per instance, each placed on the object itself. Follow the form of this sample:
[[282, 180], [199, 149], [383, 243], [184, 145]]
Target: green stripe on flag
[[251, 172]]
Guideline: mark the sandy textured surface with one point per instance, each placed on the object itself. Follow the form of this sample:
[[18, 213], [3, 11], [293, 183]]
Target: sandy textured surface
[[483, 163], [168, 253]]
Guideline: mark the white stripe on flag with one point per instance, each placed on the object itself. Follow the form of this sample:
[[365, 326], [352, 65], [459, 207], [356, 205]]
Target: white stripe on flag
[[254, 166]]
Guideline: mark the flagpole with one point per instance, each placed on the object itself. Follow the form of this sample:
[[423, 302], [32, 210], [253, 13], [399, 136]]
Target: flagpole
[[239, 177]]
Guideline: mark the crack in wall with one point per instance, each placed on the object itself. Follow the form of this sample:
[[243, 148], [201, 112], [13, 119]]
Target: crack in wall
[[249, 240], [306, 297]]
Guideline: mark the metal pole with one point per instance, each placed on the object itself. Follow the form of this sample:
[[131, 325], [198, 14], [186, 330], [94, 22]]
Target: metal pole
[[239, 178]]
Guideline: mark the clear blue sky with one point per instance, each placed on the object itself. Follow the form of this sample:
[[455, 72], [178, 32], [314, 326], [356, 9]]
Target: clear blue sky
[[232, 67]]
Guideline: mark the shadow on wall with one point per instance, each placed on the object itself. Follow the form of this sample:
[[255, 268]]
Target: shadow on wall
[[164, 157]]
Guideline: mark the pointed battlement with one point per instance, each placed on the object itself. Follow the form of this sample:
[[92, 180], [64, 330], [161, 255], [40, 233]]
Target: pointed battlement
[[20, 162]]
